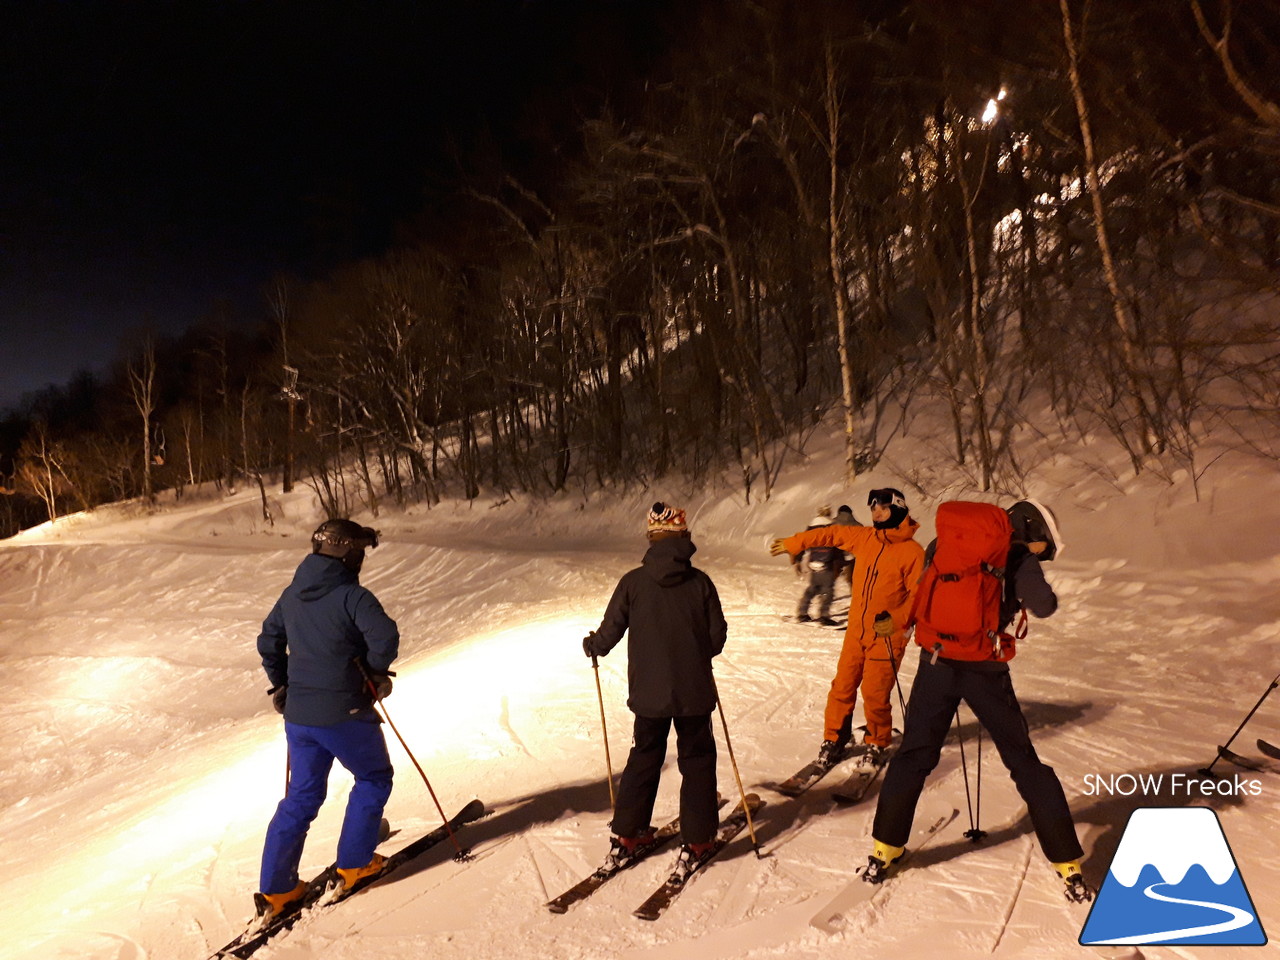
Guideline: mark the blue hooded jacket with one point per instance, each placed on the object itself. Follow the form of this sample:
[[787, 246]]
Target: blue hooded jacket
[[321, 623]]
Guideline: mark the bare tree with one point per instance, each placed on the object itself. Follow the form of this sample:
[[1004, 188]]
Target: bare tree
[[142, 387]]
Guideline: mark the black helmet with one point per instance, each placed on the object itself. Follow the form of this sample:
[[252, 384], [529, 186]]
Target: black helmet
[[1033, 521], [342, 538], [894, 500]]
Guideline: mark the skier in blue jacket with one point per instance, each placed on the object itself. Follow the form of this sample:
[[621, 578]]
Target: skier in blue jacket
[[323, 627]]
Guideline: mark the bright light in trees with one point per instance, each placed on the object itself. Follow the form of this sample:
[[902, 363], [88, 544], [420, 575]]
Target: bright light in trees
[[993, 106]]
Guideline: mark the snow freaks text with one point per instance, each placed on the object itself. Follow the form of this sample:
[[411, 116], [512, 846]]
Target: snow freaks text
[[1173, 784]]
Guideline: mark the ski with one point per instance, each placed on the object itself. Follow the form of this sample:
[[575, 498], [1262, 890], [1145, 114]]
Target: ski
[[857, 784], [258, 934], [857, 891], [1270, 749], [835, 625], [730, 827], [603, 874], [1248, 763], [808, 775]]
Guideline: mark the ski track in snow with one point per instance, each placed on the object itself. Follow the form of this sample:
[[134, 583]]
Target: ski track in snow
[[143, 760]]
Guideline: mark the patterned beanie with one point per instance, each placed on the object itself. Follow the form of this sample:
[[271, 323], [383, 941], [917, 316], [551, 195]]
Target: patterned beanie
[[665, 518]]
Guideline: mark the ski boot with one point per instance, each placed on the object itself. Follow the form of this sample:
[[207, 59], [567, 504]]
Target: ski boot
[[803, 618], [830, 752], [880, 861], [1076, 890], [690, 858], [624, 851], [872, 755], [348, 877], [826, 622], [268, 906]]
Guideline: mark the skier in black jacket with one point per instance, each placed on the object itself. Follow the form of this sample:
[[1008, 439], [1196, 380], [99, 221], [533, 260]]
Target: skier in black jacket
[[671, 614]]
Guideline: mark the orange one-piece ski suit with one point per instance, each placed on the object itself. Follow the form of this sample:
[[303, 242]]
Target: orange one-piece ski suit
[[886, 572]]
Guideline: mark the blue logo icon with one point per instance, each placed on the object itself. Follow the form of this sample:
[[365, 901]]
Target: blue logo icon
[[1173, 880]]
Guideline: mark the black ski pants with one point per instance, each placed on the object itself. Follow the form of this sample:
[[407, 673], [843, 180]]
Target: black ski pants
[[696, 757], [936, 693]]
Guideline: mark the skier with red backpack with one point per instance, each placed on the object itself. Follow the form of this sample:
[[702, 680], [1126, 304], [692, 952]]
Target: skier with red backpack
[[986, 570]]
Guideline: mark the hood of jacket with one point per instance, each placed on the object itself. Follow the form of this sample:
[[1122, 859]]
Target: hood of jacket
[[318, 576], [904, 531], [667, 561]]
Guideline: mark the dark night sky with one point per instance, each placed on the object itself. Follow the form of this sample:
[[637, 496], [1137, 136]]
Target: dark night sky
[[156, 155]]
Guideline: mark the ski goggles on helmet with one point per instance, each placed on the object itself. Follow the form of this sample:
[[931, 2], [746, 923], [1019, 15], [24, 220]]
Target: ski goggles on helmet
[[345, 534], [886, 497]]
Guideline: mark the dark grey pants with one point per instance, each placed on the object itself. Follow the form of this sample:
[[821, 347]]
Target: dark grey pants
[[696, 757], [822, 584], [936, 693]]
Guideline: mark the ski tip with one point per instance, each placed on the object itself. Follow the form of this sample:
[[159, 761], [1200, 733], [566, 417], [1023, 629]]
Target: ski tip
[[557, 908]]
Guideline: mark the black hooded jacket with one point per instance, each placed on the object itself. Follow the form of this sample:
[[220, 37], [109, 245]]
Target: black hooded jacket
[[671, 614]]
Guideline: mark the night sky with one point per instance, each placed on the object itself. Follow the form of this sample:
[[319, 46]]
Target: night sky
[[156, 158]]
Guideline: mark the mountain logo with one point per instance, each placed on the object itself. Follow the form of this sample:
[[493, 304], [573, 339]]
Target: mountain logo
[[1173, 880]]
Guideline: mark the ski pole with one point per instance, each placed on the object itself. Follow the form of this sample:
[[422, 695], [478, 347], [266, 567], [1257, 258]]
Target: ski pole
[[1208, 771], [373, 690], [893, 661], [604, 731], [746, 807], [977, 832], [973, 833]]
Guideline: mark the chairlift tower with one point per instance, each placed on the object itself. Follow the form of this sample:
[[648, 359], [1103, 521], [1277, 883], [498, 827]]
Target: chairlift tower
[[289, 392]]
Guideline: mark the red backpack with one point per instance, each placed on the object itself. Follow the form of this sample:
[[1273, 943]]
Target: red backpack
[[957, 608]]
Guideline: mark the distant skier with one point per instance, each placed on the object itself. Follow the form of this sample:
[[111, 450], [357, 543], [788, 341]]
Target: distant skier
[[322, 623], [845, 518], [823, 565], [671, 614], [887, 564], [978, 674]]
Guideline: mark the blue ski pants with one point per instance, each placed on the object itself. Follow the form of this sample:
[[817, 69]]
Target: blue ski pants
[[360, 747]]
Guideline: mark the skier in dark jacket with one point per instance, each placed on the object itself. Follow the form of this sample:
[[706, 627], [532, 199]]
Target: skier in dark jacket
[[823, 564], [985, 685], [324, 623], [671, 614], [845, 518]]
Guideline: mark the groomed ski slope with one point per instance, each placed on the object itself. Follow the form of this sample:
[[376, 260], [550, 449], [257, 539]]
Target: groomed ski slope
[[142, 759]]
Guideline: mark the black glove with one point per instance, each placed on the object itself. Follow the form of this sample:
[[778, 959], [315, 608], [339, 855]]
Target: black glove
[[588, 645], [883, 624], [278, 695], [381, 684]]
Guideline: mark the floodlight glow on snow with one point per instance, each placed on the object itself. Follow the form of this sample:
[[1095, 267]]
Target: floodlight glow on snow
[[455, 690], [182, 827]]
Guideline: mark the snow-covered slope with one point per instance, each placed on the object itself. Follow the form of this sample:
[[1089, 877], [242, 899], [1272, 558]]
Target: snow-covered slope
[[142, 759]]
